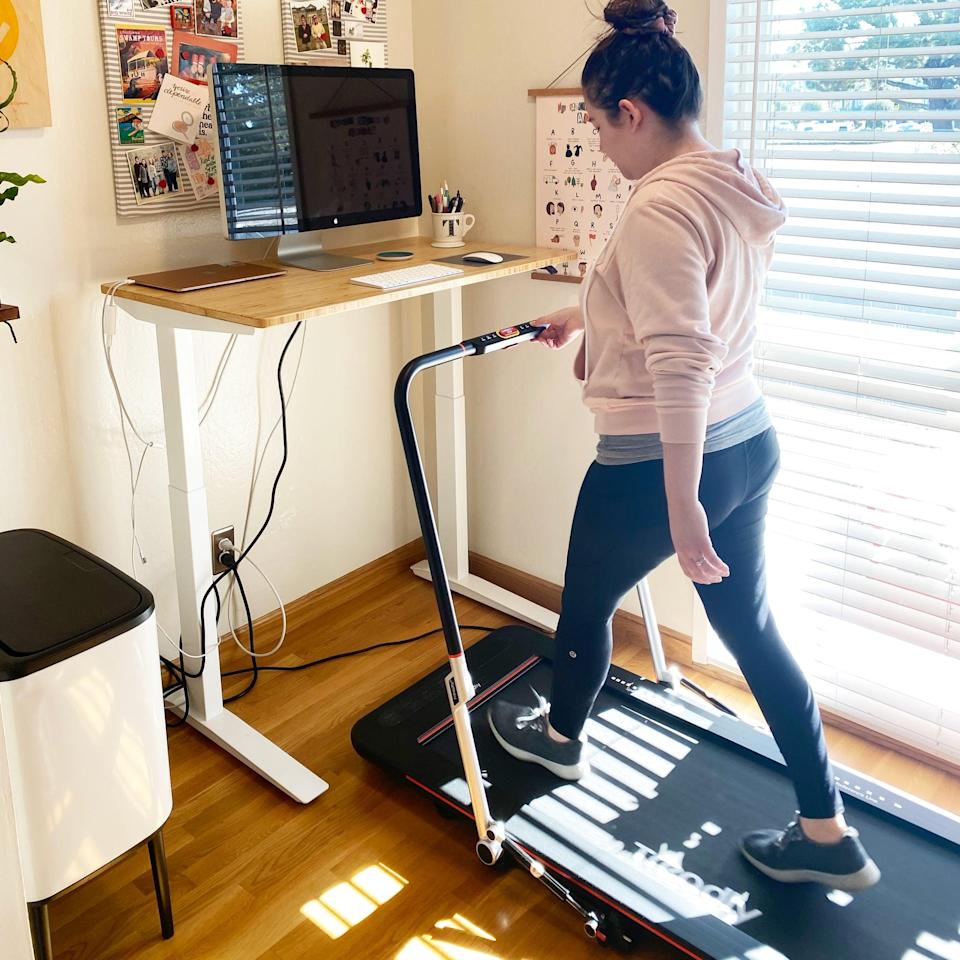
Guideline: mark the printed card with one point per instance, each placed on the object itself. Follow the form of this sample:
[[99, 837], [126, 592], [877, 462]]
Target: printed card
[[143, 62], [366, 54], [200, 166], [182, 18], [180, 108], [129, 125]]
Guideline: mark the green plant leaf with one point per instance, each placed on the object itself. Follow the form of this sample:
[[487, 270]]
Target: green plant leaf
[[6, 238], [21, 179], [9, 194]]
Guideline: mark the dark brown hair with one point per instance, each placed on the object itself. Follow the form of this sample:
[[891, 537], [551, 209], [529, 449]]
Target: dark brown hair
[[639, 58]]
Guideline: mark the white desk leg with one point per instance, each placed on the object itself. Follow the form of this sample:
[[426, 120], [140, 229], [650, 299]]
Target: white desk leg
[[451, 502], [191, 548], [449, 411]]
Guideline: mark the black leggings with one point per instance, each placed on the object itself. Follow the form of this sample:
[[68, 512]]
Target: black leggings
[[621, 532]]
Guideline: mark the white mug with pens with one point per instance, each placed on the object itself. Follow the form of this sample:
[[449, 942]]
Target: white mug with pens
[[450, 223]]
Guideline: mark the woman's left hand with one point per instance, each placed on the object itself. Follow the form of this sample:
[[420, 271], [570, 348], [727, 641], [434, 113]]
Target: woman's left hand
[[690, 533]]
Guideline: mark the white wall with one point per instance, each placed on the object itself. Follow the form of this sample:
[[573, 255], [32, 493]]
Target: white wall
[[530, 438], [343, 500]]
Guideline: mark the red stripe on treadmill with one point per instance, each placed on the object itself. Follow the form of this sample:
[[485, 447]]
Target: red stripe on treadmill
[[652, 928], [646, 924], [480, 697]]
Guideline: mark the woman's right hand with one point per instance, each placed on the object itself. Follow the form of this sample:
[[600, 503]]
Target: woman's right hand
[[562, 327]]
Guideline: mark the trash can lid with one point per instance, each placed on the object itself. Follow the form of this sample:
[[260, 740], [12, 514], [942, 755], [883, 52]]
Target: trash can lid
[[57, 600]]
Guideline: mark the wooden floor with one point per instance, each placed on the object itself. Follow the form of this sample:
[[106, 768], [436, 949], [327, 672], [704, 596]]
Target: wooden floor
[[246, 861]]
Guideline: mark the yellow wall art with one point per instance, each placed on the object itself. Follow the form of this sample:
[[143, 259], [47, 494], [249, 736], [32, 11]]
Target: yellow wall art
[[23, 71]]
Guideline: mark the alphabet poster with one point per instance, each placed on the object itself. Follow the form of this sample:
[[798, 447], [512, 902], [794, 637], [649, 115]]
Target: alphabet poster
[[580, 192]]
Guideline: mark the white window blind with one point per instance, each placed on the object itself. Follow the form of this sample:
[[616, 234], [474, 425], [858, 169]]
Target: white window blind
[[852, 109]]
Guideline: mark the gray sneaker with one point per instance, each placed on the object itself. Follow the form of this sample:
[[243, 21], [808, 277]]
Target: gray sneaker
[[522, 732], [791, 857]]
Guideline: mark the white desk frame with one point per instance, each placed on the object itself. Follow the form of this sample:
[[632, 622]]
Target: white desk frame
[[191, 526]]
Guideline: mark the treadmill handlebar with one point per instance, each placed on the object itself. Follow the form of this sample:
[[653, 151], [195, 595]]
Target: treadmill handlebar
[[501, 339], [497, 340]]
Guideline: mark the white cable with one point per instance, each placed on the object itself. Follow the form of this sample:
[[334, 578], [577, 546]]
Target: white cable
[[107, 336], [208, 401], [125, 418], [283, 614]]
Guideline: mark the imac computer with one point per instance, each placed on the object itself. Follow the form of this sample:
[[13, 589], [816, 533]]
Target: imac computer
[[304, 148]]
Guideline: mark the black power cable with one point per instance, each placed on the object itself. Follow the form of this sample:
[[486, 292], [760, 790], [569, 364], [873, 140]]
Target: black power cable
[[273, 500], [354, 653], [255, 668]]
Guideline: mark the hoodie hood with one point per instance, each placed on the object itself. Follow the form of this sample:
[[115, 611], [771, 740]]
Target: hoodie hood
[[722, 180]]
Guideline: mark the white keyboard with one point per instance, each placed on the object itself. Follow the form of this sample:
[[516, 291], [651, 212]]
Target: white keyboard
[[407, 276]]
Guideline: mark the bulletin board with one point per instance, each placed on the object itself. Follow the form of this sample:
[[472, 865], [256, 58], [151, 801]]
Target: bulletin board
[[580, 192], [129, 109], [345, 33]]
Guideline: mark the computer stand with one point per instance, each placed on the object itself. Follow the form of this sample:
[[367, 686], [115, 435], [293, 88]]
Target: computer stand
[[305, 250]]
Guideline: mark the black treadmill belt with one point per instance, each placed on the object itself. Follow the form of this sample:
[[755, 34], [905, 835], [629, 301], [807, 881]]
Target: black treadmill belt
[[663, 810]]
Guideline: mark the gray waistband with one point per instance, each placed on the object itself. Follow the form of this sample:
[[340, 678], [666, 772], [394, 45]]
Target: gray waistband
[[636, 448]]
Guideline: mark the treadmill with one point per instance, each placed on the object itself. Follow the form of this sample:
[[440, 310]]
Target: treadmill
[[648, 841]]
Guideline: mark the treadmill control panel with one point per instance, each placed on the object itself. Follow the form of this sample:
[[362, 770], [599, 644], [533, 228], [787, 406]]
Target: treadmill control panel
[[500, 339]]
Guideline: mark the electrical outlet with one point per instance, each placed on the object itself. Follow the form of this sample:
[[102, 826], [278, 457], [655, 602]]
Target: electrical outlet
[[215, 539]]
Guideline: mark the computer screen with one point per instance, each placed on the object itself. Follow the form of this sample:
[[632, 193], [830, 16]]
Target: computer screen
[[309, 148]]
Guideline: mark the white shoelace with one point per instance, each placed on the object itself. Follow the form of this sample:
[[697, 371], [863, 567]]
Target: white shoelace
[[540, 712]]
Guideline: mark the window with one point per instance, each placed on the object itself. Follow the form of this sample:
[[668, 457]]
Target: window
[[852, 109]]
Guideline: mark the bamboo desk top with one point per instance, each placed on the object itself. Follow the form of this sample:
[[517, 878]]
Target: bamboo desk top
[[303, 294]]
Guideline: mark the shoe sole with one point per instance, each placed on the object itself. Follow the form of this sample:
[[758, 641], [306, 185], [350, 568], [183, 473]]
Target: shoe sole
[[573, 771], [864, 878]]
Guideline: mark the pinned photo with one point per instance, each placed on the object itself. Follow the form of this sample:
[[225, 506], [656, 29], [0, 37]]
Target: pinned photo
[[311, 26], [120, 8], [155, 173], [130, 125], [182, 18], [192, 55], [342, 48], [143, 62], [217, 18]]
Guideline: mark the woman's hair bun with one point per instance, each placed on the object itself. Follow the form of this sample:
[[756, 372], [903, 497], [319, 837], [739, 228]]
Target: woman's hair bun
[[635, 17]]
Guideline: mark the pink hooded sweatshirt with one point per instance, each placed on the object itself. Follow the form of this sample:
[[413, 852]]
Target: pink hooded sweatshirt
[[670, 304]]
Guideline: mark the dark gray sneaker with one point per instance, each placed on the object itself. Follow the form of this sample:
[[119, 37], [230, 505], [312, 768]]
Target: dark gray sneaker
[[522, 732], [791, 857]]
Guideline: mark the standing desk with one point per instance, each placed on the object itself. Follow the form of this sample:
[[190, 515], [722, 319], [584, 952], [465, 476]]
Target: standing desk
[[243, 309]]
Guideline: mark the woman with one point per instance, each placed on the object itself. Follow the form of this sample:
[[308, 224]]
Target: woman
[[687, 454]]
